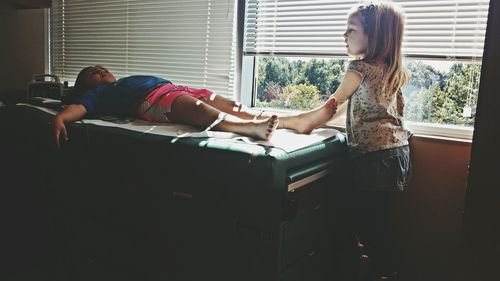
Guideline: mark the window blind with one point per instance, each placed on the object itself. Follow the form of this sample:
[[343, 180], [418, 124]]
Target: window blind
[[189, 42], [434, 28]]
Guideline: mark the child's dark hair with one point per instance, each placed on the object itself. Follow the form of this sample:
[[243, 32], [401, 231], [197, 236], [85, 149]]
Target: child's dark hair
[[81, 85]]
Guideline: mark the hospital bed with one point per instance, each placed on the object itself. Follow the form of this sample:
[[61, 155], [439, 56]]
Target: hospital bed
[[174, 206]]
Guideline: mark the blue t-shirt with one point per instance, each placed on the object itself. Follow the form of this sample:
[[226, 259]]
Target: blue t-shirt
[[119, 98]]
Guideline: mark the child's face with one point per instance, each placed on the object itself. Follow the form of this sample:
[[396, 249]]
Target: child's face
[[355, 37], [99, 75]]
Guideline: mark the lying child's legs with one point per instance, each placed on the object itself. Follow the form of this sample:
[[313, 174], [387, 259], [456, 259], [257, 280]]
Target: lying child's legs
[[231, 107], [303, 122], [191, 111], [307, 121]]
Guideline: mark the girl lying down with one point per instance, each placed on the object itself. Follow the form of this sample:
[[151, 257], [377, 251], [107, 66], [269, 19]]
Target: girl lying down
[[150, 98]]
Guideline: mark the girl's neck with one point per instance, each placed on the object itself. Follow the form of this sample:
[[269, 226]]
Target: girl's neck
[[379, 62]]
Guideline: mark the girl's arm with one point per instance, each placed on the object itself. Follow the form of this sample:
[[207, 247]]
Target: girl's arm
[[71, 113], [340, 113], [347, 87]]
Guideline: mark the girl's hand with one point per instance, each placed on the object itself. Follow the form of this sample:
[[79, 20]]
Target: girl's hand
[[58, 130], [333, 101], [71, 113]]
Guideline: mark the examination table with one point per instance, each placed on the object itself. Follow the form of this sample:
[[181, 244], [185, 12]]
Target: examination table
[[130, 205]]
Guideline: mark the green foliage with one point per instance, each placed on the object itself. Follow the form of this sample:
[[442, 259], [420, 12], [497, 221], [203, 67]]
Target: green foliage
[[418, 105], [423, 75], [276, 73], [272, 71], [459, 92], [300, 96], [271, 92], [325, 74], [431, 96]]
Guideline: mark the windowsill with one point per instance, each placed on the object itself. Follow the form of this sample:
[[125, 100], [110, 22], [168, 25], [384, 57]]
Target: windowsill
[[440, 131], [424, 136]]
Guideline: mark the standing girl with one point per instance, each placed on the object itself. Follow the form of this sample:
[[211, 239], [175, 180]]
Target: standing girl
[[376, 136]]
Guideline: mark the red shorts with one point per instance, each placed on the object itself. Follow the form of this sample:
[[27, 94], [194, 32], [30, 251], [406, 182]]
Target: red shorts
[[160, 100]]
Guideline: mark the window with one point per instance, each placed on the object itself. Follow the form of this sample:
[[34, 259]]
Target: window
[[299, 56], [187, 41]]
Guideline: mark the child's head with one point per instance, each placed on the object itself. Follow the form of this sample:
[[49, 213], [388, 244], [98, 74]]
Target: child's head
[[382, 26], [91, 77]]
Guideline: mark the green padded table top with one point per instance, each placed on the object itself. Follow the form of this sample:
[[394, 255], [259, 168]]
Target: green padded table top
[[31, 122]]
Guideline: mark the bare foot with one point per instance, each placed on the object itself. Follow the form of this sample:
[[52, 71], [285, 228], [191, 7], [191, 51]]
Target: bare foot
[[265, 129], [259, 129], [305, 122]]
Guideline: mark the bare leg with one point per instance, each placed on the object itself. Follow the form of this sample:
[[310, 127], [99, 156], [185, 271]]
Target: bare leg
[[307, 121], [303, 123], [231, 107], [191, 111]]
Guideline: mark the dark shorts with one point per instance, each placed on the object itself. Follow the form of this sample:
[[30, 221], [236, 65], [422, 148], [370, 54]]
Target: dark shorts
[[383, 170]]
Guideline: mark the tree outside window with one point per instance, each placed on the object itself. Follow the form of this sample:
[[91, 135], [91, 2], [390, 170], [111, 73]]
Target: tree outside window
[[440, 96]]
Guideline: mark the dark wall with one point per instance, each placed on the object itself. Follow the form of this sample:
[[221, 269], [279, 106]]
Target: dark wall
[[434, 207], [482, 209], [22, 48]]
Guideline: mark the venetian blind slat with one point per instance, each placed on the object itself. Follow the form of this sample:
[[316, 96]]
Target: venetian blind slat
[[190, 42]]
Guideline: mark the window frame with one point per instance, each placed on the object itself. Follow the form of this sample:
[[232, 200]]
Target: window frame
[[248, 95], [248, 85]]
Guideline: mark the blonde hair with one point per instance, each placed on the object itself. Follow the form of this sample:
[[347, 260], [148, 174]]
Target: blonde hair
[[383, 23]]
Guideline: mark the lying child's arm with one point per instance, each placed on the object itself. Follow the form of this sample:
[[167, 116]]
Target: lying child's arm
[[71, 113]]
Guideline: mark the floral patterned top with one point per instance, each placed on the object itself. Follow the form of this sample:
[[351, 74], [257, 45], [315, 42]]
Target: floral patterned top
[[374, 117]]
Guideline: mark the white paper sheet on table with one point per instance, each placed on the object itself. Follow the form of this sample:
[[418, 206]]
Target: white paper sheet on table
[[284, 139]]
